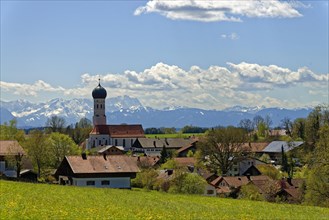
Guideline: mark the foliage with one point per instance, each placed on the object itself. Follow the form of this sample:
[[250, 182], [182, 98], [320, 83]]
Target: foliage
[[55, 124], [269, 170], [10, 132], [192, 129], [187, 183], [265, 157], [221, 145], [247, 124], [298, 128], [163, 155], [146, 179], [317, 192], [81, 130], [45, 201], [190, 153], [250, 192], [287, 124], [169, 164], [61, 145], [37, 146]]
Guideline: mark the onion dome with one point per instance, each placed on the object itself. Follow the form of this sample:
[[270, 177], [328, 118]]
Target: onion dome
[[99, 92]]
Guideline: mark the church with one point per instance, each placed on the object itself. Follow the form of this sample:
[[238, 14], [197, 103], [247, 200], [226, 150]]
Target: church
[[102, 134]]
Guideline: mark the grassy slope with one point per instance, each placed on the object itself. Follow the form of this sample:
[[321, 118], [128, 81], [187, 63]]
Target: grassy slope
[[40, 201]]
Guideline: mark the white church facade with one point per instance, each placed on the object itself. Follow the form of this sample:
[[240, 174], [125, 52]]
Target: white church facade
[[102, 134]]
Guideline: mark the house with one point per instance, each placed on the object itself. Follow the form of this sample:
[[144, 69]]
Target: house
[[291, 189], [111, 150], [242, 164], [154, 146], [103, 134], [97, 171], [183, 151], [10, 153], [147, 161], [274, 149]]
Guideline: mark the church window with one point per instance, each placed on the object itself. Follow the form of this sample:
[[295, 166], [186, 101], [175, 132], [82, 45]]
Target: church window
[[101, 106], [105, 142], [99, 142], [97, 105]]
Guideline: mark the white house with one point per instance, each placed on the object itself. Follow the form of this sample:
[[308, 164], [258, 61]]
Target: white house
[[113, 171]]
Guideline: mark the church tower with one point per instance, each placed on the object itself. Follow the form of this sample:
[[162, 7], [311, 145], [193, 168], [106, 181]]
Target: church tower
[[99, 95]]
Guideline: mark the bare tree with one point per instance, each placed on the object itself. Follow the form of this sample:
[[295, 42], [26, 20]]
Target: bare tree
[[287, 125], [56, 124], [220, 146]]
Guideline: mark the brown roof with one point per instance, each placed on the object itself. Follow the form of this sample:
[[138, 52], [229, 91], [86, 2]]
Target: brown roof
[[119, 131], [97, 164], [169, 143], [185, 161], [182, 149], [254, 147], [236, 181], [10, 148], [147, 160]]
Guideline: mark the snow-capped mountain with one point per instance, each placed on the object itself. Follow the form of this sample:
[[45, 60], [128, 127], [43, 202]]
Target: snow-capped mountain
[[125, 109]]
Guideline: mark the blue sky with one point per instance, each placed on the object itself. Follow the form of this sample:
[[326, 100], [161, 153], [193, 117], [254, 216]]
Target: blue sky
[[205, 54]]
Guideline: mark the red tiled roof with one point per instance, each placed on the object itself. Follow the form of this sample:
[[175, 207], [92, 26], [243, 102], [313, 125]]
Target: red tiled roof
[[185, 161], [184, 148], [254, 147], [97, 164], [10, 148], [119, 131]]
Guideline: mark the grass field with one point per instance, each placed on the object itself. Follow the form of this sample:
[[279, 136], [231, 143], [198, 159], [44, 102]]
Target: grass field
[[178, 135], [42, 201]]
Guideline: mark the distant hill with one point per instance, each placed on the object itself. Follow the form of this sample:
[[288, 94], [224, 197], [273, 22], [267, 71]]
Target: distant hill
[[124, 109]]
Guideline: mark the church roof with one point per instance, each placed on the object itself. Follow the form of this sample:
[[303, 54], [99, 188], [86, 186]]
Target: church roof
[[99, 92], [120, 131]]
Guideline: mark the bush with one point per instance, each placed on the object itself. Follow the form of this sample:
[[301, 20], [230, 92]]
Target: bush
[[187, 183], [250, 192]]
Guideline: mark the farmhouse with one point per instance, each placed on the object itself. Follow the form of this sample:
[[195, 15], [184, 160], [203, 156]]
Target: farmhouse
[[274, 149], [102, 134], [97, 171], [154, 146], [11, 153]]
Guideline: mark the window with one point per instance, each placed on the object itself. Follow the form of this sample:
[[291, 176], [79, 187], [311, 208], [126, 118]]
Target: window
[[105, 142], [101, 106], [210, 191], [116, 142], [131, 142], [124, 142], [105, 182], [99, 142], [90, 183]]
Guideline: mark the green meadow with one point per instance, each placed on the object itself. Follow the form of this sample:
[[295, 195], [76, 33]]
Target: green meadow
[[43, 201]]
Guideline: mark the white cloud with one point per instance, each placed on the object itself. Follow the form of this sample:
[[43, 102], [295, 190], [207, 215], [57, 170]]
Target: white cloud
[[232, 36], [216, 87], [29, 89], [211, 11]]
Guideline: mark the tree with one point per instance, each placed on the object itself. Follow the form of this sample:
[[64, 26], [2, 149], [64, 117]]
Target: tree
[[55, 124], [81, 131], [286, 123], [187, 183], [220, 146], [61, 145], [298, 128], [10, 132], [38, 149], [246, 124], [15, 158], [317, 191], [163, 155]]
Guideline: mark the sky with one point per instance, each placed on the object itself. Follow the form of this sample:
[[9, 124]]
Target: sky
[[201, 54]]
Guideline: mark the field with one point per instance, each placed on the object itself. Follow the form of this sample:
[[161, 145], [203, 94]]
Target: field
[[42, 201], [178, 135]]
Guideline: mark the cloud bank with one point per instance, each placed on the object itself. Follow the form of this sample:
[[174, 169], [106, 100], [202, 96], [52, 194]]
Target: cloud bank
[[214, 11], [217, 87]]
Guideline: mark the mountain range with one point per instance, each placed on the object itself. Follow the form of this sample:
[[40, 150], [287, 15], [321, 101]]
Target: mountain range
[[125, 109]]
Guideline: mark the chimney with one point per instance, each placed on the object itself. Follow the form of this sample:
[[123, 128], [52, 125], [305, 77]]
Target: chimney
[[84, 155], [104, 156], [166, 141], [138, 159], [154, 144], [248, 176]]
